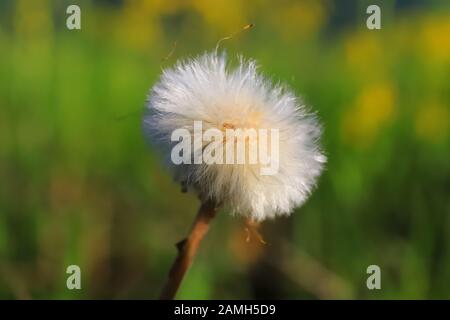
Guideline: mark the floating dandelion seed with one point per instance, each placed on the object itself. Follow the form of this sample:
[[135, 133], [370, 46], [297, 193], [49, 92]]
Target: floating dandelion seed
[[207, 90]]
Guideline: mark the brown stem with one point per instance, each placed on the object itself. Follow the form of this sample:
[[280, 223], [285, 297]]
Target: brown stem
[[187, 249]]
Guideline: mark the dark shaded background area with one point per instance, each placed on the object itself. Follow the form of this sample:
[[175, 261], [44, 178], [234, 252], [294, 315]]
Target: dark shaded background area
[[79, 185]]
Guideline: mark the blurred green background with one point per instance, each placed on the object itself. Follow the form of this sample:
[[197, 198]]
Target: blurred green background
[[79, 184]]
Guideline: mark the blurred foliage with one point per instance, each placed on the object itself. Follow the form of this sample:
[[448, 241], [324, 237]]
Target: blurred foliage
[[79, 185]]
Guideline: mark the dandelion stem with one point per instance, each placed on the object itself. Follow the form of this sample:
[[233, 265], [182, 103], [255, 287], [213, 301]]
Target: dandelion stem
[[187, 249]]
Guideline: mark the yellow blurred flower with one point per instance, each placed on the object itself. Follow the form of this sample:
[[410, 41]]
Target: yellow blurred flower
[[223, 15], [33, 21], [432, 122], [138, 27], [299, 19], [373, 109], [364, 52], [435, 39]]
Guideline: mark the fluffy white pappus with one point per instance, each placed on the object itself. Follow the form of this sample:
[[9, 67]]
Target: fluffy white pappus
[[207, 89]]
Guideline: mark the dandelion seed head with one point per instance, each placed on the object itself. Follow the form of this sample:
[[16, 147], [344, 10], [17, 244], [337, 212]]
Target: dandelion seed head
[[208, 89]]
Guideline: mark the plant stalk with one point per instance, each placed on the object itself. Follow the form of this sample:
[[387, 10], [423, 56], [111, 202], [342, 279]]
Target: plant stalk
[[187, 248]]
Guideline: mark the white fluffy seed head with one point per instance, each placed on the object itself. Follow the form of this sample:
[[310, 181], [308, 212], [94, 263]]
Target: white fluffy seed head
[[207, 89]]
